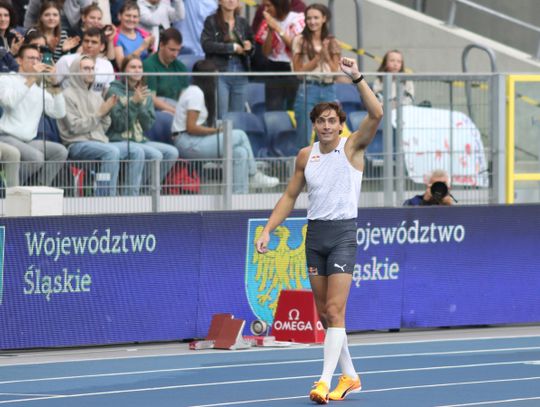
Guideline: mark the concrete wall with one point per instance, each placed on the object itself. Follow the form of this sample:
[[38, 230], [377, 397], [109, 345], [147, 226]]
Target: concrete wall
[[427, 43], [489, 26]]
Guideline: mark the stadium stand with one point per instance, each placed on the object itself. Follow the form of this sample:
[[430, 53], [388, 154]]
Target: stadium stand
[[254, 128], [281, 133], [256, 98], [347, 95]]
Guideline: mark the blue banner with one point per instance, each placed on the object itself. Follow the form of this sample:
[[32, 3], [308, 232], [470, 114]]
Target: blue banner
[[97, 280], [73, 281]]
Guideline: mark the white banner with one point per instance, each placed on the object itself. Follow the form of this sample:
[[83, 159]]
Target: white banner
[[435, 139]]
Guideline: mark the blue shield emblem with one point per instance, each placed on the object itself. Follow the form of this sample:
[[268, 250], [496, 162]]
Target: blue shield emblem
[[283, 267]]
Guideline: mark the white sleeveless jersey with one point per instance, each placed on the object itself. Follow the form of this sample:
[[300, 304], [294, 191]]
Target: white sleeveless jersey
[[333, 184]]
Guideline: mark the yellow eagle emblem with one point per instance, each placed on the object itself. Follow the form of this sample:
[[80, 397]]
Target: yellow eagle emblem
[[279, 269]]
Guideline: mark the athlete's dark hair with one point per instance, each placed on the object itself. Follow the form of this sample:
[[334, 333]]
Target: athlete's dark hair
[[323, 107]]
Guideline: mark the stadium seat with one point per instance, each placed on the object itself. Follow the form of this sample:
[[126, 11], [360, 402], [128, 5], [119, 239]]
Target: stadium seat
[[185, 50], [348, 96], [281, 133], [189, 60], [256, 98], [375, 150], [355, 118], [254, 128], [161, 129]]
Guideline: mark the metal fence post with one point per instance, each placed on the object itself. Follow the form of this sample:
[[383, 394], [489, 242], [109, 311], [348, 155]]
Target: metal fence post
[[451, 127], [227, 164], [388, 143], [498, 137], [359, 34], [400, 155], [155, 183]]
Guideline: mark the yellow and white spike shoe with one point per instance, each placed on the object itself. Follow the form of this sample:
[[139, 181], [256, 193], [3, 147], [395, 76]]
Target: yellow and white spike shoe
[[319, 393], [345, 386]]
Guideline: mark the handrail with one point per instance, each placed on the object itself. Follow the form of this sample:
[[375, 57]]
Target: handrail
[[359, 36], [489, 51], [452, 17], [464, 55]]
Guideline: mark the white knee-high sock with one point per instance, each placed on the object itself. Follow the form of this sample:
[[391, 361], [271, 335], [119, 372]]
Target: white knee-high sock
[[333, 343], [345, 361]]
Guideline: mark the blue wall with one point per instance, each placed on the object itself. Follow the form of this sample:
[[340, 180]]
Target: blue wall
[[69, 281]]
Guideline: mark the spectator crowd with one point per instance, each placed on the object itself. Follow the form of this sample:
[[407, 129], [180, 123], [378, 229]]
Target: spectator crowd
[[87, 65]]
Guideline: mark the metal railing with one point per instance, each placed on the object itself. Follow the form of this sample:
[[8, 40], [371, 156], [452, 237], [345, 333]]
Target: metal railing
[[359, 27], [389, 178]]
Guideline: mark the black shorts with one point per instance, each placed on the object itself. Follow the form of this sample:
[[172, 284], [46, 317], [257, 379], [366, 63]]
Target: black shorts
[[331, 246]]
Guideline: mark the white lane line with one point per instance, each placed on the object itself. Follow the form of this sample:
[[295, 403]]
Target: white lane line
[[483, 403], [215, 351], [181, 386], [147, 389], [27, 394], [243, 365], [382, 390], [231, 403]]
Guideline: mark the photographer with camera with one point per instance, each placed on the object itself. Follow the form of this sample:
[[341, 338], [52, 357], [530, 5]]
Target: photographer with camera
[[437, 191]]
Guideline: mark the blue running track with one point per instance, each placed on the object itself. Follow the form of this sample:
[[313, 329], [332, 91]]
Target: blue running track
[[444, 372]]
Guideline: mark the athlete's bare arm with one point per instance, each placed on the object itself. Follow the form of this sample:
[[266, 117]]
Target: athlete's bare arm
[[360, 139], [286, 203]]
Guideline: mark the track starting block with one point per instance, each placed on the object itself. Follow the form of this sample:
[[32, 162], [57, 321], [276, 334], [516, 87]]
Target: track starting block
[[267, 342], [198, 345], [296, 318], [261, 340], [225, 332]]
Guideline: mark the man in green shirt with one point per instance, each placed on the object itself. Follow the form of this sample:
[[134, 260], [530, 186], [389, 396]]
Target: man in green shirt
[[166, 89]]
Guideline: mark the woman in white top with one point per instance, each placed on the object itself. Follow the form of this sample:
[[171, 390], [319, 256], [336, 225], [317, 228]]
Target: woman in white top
[[196, 136], [393, 63]]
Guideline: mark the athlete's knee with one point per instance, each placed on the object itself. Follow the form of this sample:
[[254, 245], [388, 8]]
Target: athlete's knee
[[334, 314]]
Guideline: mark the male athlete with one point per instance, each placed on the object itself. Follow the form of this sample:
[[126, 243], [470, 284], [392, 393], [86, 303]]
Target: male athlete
[[332, 170]]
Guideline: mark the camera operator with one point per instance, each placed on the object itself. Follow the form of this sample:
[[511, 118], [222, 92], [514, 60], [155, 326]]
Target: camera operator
[[437, 191]]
